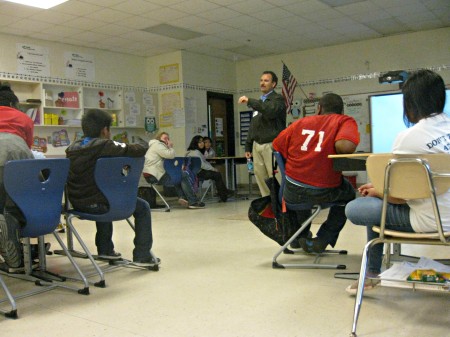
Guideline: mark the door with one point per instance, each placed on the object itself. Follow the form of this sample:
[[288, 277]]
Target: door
[[221, 123]]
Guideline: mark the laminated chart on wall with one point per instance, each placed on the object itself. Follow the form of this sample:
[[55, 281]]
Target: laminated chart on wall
[[357, 107], [32, 60], [170, 102], [169, 73]]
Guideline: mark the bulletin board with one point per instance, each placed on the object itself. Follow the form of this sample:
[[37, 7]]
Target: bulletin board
[[245, 119], [357, 106]]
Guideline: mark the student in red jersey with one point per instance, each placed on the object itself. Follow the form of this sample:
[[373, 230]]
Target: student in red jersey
[[310, 177], [14, 121], [16, 138]]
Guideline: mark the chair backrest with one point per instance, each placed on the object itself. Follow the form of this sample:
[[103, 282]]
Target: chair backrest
[[409, 174], [36, 186], [281, 168], [173, 169], [118, 179]]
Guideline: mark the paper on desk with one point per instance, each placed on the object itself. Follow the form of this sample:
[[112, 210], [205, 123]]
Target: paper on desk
[[400, 271]]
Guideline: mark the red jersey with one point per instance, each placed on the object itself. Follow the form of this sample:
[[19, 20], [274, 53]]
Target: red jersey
[[16, 122], [307, 143]]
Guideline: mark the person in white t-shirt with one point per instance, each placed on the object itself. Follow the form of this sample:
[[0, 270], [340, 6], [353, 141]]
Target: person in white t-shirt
[[429, 132]]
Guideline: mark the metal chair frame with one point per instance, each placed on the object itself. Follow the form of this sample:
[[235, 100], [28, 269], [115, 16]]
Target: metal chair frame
[[393, 175], [37, 191], [315, 208]]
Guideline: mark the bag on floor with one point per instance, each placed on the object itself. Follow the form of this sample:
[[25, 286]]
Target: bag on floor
[[191, 176], [266, 214]]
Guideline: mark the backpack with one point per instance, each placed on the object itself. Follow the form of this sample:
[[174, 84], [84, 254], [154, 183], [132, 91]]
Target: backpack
[[186, 169]]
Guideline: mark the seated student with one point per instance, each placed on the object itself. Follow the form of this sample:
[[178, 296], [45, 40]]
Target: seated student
[[16, 138], [159, 149], [423, 104], [85, 196], [310, 177], [209, 151], [207, 171]]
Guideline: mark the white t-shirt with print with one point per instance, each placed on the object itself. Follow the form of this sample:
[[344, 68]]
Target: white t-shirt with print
[[429, 135]]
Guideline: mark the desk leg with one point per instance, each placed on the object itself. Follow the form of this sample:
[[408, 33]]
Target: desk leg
[[226, 173]]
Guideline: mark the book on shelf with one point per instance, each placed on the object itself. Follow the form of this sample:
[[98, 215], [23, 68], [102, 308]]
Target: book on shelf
[[33, 113]]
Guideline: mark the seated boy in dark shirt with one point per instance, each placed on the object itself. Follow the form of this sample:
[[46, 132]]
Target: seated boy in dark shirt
[[85, 196]]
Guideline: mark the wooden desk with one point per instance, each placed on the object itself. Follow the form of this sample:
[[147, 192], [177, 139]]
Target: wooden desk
[[349, 162]]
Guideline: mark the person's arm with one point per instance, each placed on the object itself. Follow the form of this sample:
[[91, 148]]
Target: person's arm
[[281, 142], [344, 146], [271, 108], [113, 148], [367, 190], [164, 151]]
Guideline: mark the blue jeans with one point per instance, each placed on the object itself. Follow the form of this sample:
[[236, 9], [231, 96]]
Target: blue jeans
[[329, 230], [143, 238], [366, 211], [184, 190]]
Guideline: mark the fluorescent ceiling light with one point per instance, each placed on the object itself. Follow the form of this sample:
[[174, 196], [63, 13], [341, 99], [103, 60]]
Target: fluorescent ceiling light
[[45, 4]]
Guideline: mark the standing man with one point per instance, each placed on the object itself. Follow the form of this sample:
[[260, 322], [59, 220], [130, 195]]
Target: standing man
[[269, 119], [310, 177]]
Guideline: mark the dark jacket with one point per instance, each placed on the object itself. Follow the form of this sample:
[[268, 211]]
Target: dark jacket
[[81, 185], [269, 122]]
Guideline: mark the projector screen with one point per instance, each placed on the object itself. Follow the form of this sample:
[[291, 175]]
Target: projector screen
[[386, 120]]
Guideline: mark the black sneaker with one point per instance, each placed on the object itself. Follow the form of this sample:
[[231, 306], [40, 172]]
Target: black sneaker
[[10, 247], [313, 245], [111, 256], [147, 262], [296, 243], [197, 205]]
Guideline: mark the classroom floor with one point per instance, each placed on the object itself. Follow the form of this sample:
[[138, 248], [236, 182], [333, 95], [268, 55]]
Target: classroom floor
[[216, 280]]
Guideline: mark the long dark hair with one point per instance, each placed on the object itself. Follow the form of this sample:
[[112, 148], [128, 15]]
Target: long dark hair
[[423, 95], [194, 144]]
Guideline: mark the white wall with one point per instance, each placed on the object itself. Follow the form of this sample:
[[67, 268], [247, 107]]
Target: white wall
[[110, 67]]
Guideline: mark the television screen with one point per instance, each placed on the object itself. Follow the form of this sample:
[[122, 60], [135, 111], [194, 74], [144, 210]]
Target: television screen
[[386, 120]]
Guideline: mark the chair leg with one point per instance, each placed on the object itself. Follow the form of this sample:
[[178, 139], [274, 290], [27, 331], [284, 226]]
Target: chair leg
[[362, 277], [13, 312], [70, 226], [315, 264], [167, 209]]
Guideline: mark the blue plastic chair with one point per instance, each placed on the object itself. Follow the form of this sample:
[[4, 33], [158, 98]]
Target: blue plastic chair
[[117, 178], [315, 210], [36, 186]]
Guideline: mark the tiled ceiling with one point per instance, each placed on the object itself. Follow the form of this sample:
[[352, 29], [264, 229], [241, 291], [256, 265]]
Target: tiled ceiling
[[230, 29]]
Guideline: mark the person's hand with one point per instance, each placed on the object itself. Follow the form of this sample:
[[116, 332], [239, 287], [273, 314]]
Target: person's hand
[[243, 99], [248, 155], [169, 143], [367, 190]]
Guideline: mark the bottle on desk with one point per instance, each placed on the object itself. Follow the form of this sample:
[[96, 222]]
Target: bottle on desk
[[250, 165]]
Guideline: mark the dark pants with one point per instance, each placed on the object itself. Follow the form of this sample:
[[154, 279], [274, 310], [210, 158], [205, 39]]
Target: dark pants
[[184, 190], [329, 230], [217, 177], [143, 238]]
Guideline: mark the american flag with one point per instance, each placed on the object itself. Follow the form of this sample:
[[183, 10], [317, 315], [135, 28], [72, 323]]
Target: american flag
[[289, 83]]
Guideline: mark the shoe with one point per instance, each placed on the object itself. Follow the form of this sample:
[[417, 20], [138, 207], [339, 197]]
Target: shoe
[[369, 284], [111, 256], [147, 262], [183, 202], [197, 205], [158, 207], [10, 247], [313, 245], [296, 243]]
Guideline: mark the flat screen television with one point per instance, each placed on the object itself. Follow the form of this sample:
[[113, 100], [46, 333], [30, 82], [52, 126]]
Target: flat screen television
[[386, 120]]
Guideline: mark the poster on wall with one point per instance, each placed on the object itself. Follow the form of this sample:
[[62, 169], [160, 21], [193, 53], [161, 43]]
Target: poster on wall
[[79, 66], [32, 60], [169, 73]]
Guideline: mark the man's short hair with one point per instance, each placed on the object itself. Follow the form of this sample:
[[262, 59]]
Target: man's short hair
[[332, 103], [274, 76], [94, 121]]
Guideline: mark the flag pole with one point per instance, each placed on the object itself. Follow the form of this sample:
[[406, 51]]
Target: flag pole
[[301, 89]]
